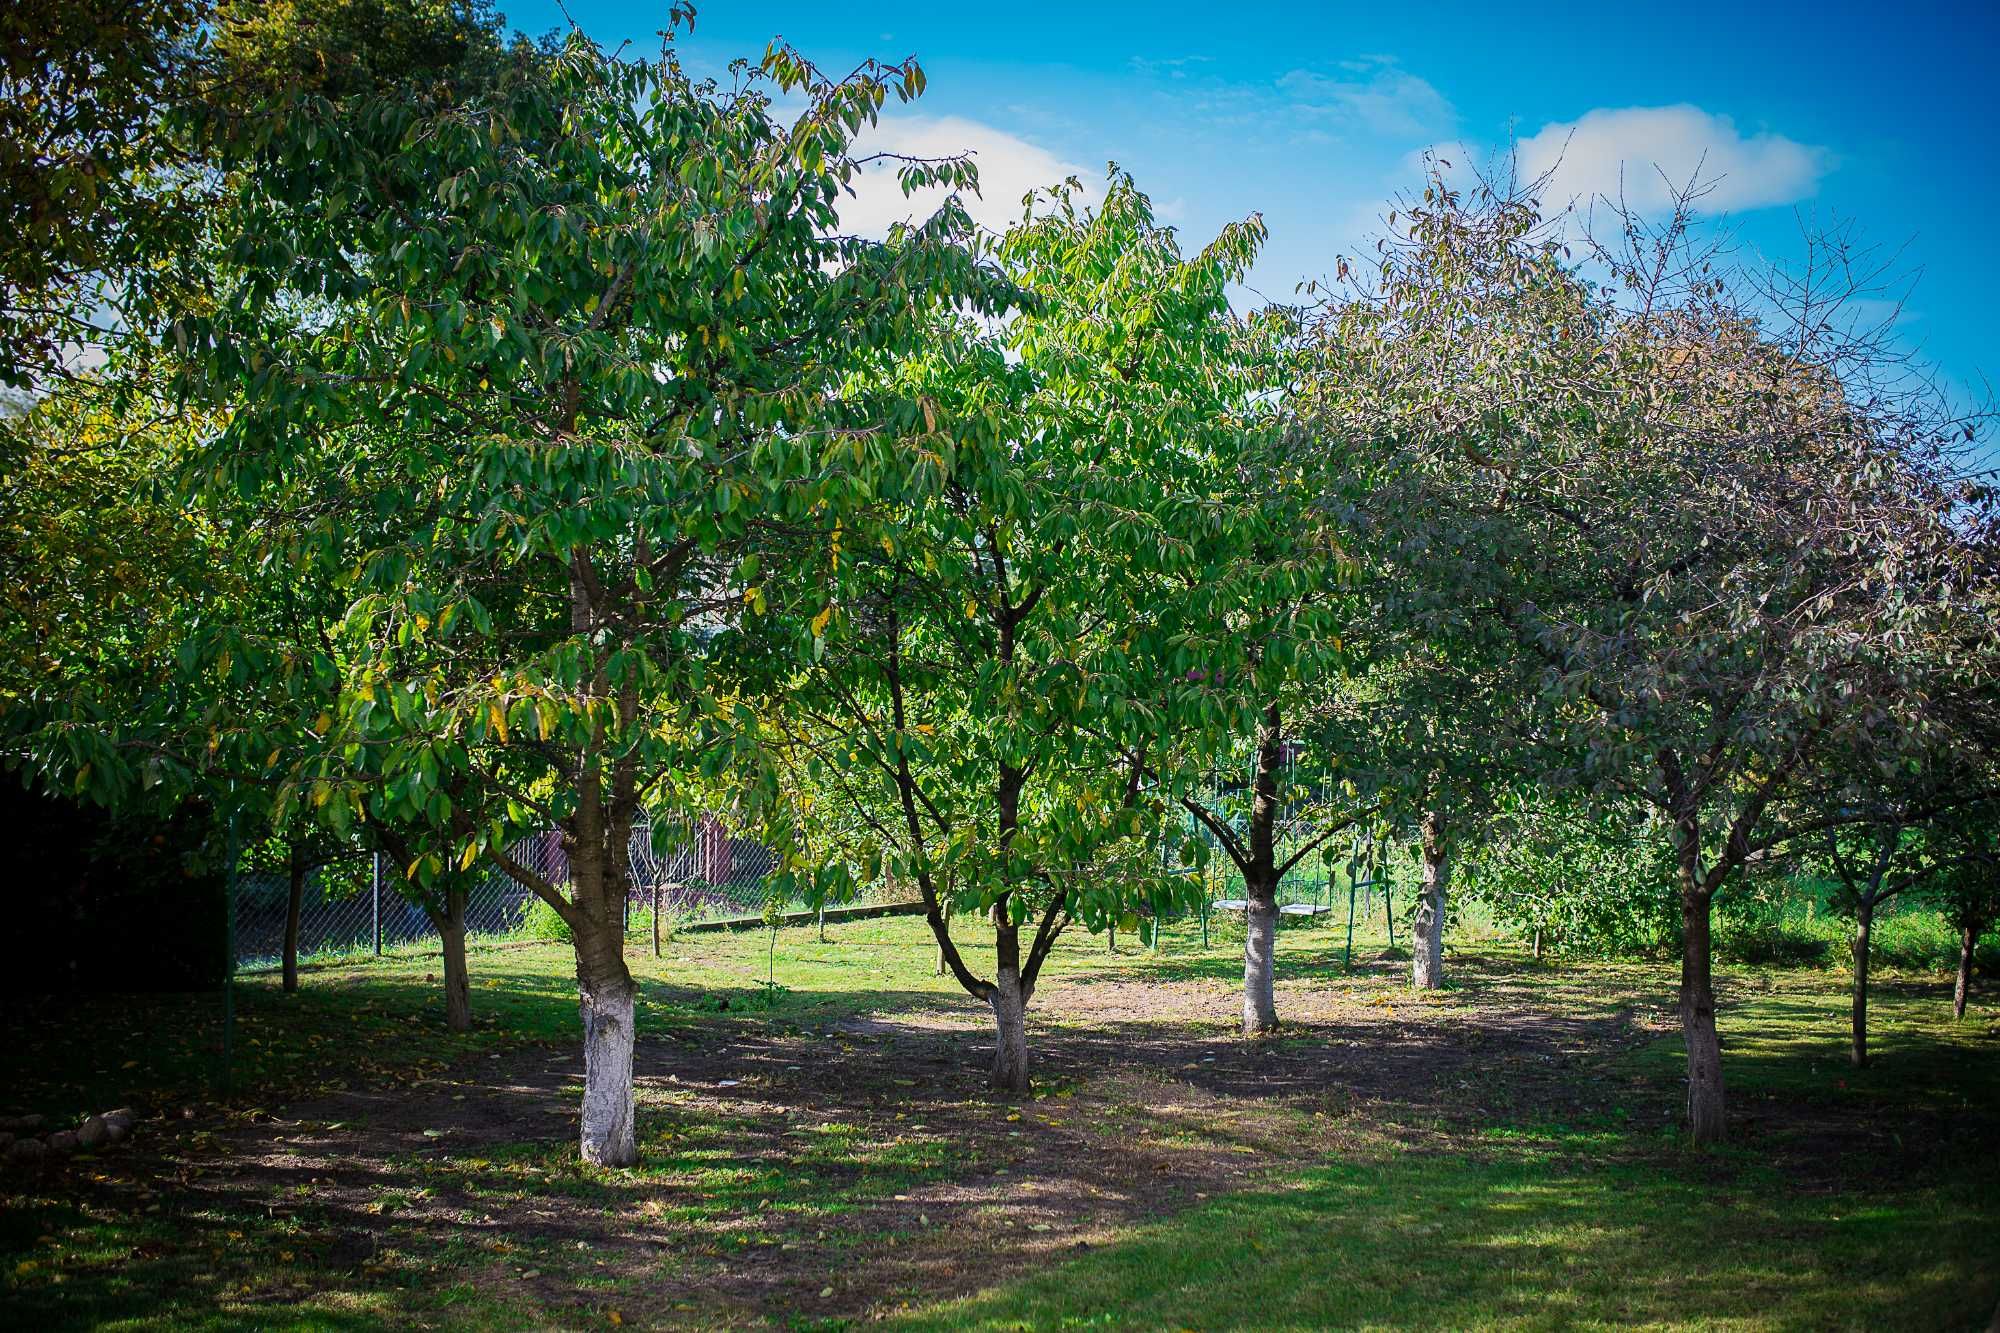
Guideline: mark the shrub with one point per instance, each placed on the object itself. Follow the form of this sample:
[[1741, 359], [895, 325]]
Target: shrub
[[542, 922], [1923, 941], [1774, 942]]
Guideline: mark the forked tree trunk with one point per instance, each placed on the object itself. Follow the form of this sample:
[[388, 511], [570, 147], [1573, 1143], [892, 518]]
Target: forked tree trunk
[[1427, 942], [1705, 1109], [451, 936], [1961, 991], [1864, 925], [1010, 1014]]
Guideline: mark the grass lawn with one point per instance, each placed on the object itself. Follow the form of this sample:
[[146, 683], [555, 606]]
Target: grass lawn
[[820, 1154]]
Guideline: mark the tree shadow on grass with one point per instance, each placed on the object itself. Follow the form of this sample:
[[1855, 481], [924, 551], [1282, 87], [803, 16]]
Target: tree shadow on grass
[[1438, 1242], [841, 1141]]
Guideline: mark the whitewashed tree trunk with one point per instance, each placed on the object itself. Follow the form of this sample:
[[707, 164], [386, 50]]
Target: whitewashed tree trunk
[[605, 995], [1260, 947], [609, 1112], [1260, 883]]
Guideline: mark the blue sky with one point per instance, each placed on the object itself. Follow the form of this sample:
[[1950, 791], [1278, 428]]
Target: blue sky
[[1315, 115]]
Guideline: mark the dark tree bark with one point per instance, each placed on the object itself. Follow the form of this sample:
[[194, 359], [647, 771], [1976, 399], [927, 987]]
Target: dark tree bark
[[1864, 925], [1009, 997], [1961, 991], [1705, 1106], [1010, 1012], [1867, 893], [1707, 1113], [450, 924], [1013, 984], [1255, 857], [295, 897]]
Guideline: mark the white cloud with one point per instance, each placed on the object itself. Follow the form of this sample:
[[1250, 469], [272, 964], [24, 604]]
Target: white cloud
[[1373, 94], [1009, 167], [1642, 149]]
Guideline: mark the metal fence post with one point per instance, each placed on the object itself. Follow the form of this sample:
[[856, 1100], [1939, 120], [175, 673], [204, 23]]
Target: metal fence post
[[1351, 887], [376, 881], [229, 977]]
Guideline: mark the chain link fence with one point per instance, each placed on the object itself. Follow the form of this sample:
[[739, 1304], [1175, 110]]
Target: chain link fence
[[352, 908]]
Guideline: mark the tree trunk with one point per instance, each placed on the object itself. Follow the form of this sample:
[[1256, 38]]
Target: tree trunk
[[295, 897], [1260, 885], [1260, 945], [1864, 925], [605, 1000], [941, 968], [1010, 1015], [1697, 1006], [451, 935], [1961, 991], [1427, 946]]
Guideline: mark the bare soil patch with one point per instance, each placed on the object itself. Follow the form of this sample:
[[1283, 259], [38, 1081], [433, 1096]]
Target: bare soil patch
[[839, 1170]]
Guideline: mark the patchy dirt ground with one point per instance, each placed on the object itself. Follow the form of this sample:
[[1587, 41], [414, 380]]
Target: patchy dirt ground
[[824, 1171]]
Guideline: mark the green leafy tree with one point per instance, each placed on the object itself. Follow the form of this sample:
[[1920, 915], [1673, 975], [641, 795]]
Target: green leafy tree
[[567, 341], [117, 116], [1276, 764], [991, 665], [1900, 805], [85, 89], [1575, 875], [1967, 891], [1711, 547]]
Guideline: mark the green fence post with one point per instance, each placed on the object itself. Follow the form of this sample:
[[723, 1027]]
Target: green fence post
[[1351, 886]]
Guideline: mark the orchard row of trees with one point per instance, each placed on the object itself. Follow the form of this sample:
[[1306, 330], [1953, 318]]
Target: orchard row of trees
[[493, 437]]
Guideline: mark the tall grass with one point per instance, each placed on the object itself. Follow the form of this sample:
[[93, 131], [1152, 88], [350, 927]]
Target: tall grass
[[1802, 931]]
